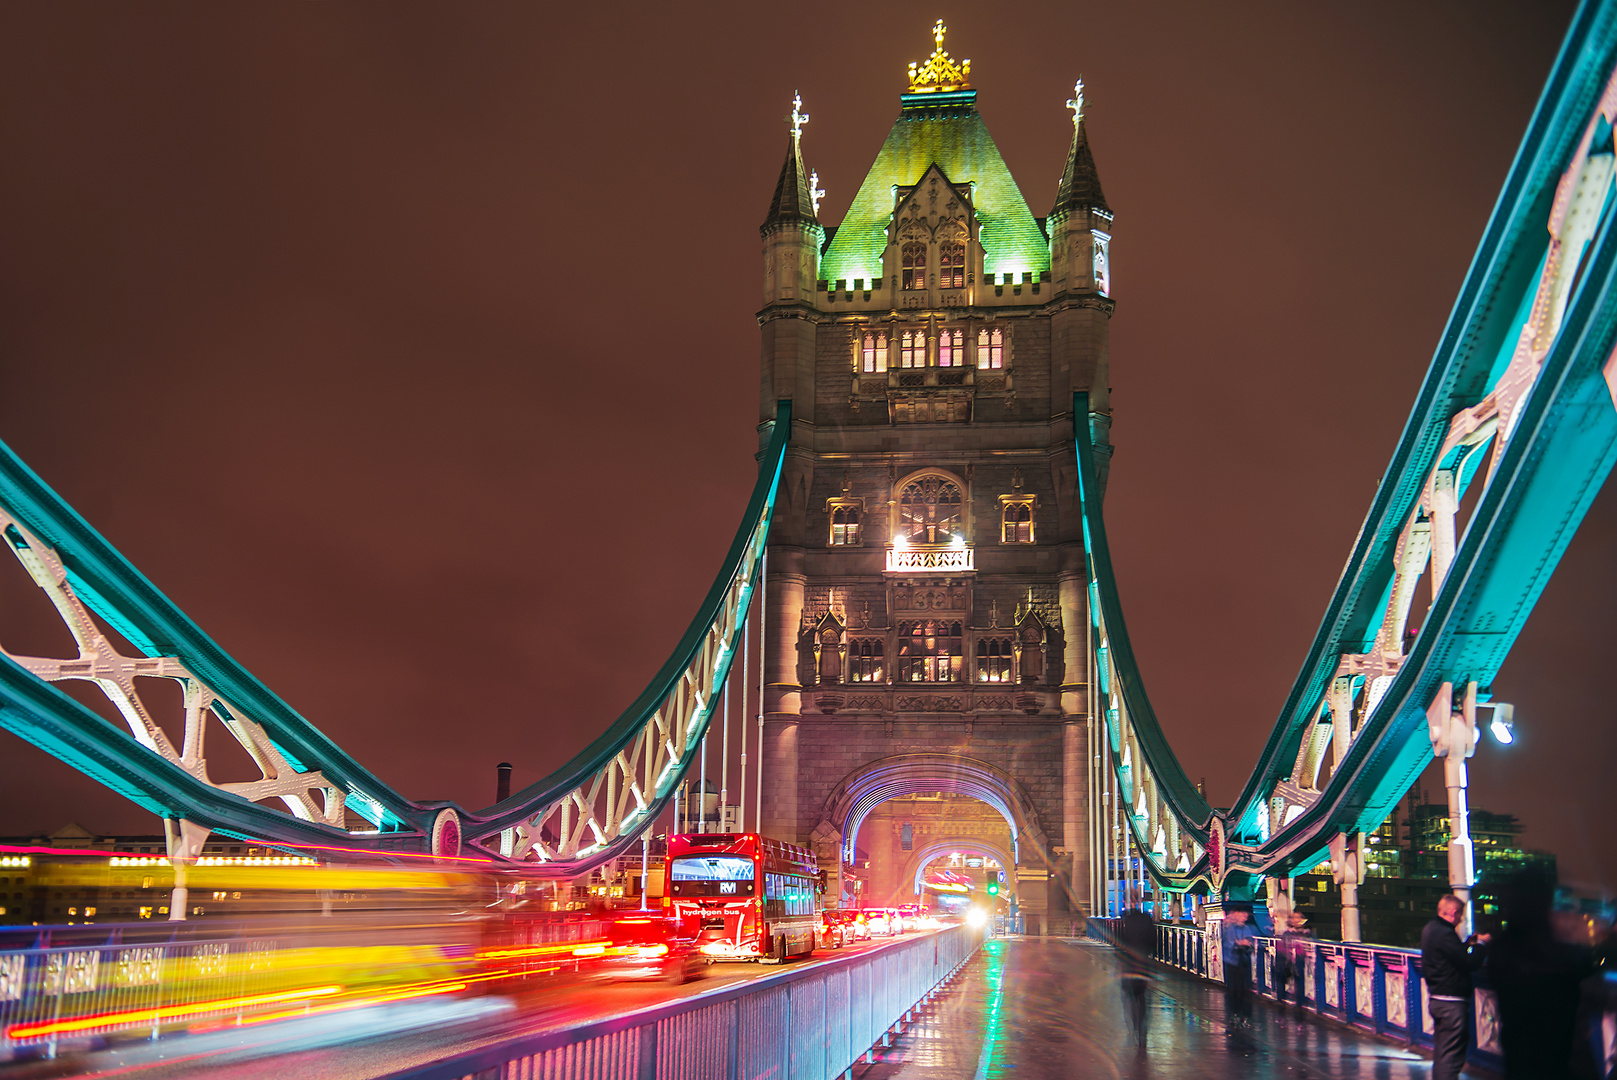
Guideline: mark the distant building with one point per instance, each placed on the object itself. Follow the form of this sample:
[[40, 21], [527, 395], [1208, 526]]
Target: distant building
[[1407, 870]]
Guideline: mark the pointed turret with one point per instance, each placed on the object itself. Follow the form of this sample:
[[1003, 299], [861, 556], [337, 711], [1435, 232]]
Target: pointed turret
[[793, 203], [1080, 223], [1080, 230], [792, 237], [1080, 182]]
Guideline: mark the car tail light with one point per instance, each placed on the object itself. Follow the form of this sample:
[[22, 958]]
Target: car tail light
[[654, 950], [589, 950]]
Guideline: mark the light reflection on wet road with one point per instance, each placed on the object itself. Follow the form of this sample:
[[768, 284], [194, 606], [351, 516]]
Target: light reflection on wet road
[[1035, 1008], [1025, 1008]]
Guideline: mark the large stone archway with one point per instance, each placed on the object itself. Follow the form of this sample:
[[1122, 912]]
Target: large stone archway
[[912, 774], [917, 862]]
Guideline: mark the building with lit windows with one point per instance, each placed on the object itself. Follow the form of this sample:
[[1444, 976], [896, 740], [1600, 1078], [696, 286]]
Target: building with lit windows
[[1407, 870], [926, 601]]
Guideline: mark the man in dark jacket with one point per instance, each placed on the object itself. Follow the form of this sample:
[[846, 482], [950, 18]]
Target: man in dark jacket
[[1447, 964]]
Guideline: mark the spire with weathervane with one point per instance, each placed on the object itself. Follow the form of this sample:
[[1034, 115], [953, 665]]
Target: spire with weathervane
[[792, 238], [796, 200], [1080, 182]]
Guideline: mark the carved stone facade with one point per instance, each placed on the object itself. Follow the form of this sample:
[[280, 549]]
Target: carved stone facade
[[927, 610]]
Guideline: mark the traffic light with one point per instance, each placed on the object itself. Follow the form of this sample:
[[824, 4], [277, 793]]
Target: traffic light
[[993, 887]]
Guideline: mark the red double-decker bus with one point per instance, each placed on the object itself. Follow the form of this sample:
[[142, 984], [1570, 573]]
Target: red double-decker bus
[[745, 896]]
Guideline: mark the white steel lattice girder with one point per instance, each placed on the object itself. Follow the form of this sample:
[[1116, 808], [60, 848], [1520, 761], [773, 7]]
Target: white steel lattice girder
[[99, 662]]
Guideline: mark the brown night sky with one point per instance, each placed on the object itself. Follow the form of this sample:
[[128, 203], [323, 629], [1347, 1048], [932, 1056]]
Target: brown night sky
[[411, 350]]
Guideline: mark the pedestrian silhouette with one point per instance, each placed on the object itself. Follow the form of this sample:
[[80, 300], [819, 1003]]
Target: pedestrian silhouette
[[1137, 934], [1536, 978]]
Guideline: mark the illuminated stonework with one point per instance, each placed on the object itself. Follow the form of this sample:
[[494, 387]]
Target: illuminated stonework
[[930, 560], [929, 493]]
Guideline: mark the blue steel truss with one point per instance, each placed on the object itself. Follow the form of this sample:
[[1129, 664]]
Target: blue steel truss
[[1525, 373], [584, 813]]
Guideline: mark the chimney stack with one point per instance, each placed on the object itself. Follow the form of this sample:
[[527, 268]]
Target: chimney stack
[[502, 787]]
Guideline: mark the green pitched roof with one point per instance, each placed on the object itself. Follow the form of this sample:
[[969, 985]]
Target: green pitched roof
[[948, 130]]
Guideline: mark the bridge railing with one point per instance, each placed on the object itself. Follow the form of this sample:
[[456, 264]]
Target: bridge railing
[[71, 984], [805, 1023], [1377, 989]]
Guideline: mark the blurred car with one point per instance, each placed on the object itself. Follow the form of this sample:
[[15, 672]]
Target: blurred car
[[882, 922], [833, 933], [853, 928], [642, 948], [859, 925]]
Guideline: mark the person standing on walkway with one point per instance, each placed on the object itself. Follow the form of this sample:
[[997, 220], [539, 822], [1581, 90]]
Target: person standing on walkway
[[1137, 935], [1447, 964], [1236, 938], [1292, 955], [1537, 978]]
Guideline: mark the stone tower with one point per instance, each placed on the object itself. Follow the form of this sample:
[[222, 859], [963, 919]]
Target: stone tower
[[927, 662]]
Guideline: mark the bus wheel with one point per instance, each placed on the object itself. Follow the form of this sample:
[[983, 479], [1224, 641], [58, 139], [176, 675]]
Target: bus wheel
[[675, 974]]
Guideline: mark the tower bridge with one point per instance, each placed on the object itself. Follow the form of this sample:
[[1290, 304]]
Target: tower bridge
[[920, 592]]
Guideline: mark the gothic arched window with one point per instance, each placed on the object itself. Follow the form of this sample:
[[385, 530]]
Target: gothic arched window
[[990, 348], [952, 266], [873, 353], [845, 523], [951, 348], [913, 259], [929, 510], [912, 348], [1016, 525], [929, 651], [995, 657], [865, 660]]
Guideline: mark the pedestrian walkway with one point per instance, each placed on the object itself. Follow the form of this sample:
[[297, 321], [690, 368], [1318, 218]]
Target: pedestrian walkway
[[1051, 1007]]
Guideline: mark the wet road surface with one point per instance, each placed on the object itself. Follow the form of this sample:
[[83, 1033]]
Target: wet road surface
[[1032, 1008]]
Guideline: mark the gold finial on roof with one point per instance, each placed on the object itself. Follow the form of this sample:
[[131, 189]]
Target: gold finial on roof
[[815, 191], [940, 72], [1076, 102]]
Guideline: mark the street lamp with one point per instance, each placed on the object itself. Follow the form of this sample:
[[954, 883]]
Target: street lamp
[[1503, 726]]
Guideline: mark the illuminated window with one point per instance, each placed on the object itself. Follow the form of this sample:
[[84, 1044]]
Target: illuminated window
[[906, 837], [995, 657], [845, 522], [929, 510], [914, 263], [951, 348], [929, 651], [865, 660], [912, 348], [952, 266], [990, 348], [873, 353], [1016, 519]]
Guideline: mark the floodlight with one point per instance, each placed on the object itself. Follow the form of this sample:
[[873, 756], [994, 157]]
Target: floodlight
[[1504, 723]]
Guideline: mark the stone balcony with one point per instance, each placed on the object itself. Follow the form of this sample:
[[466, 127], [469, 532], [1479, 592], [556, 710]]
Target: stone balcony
[[856, 698], [951, 559]]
